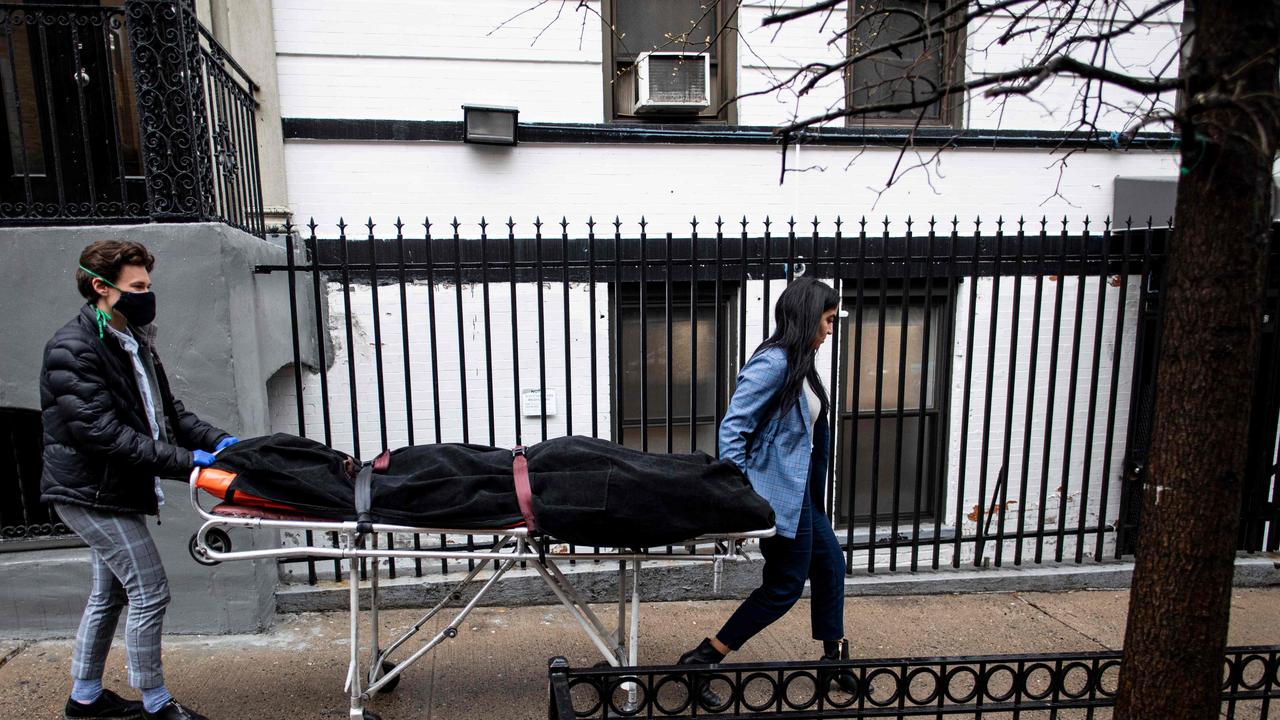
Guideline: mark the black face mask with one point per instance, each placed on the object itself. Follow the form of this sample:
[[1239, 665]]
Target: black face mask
[[138, 307]]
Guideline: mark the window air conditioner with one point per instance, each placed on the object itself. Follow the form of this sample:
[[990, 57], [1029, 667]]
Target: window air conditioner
[[672, 81]]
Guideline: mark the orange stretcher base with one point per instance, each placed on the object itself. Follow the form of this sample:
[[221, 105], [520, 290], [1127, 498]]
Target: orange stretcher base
[[218, 484]]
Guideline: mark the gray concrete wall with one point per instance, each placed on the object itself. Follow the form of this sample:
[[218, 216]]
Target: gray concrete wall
[[223, 331], [1139, 198]]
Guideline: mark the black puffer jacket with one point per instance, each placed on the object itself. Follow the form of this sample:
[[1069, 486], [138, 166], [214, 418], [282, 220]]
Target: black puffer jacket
[[98, 449]]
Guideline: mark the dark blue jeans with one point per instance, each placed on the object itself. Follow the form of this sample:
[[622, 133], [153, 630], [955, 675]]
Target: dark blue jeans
[[814, 554]]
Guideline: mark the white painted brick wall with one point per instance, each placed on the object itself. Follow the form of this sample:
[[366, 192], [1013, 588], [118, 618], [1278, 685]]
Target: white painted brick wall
[[421, 60], [669, 184], [1065, 480]]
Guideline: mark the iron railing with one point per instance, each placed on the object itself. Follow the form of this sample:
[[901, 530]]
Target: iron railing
[[1056, 685], [25, 522], [124, 114], [993, 384]]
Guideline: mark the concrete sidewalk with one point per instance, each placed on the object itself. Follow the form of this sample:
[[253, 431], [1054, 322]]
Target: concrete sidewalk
[[496, 667]]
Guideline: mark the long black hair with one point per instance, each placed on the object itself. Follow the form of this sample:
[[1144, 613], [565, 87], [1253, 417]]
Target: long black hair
[[797, 316]]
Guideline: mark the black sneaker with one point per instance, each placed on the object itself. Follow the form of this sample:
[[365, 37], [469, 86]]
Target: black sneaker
[[173, 711], [108, 706]]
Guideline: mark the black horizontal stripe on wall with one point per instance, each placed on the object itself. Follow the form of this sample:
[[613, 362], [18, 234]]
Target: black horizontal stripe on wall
[[626, 133]]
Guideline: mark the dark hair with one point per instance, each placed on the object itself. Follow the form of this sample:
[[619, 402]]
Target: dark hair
[[107, 258], [797, 316]]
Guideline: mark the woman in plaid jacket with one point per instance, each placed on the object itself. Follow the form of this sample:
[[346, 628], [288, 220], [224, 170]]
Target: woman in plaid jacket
[[776, 430]]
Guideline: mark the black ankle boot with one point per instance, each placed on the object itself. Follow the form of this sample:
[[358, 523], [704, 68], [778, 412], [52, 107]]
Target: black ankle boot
[[704, 654], [835, 651]]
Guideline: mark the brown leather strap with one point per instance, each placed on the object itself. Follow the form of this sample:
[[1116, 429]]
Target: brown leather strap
[[382, 462], [524, 494]]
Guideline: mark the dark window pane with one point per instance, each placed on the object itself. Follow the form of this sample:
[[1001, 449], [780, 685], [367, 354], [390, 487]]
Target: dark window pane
[[126, 104], [22, 515], [18, 86], [631, 437], [656, 362], [904, 74], [894, 474], [687, 373], [666, 25], [894, 343]]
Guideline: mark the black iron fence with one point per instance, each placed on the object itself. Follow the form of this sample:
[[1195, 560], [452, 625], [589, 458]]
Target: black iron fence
[[1057, 685], [25, 522], [123, 114], [992, 383]]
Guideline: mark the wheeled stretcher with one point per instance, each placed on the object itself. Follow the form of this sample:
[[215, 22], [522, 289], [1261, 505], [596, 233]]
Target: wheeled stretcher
[[211, 544]]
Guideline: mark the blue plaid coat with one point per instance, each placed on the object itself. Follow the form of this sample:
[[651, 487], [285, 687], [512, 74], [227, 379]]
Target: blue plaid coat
[[774, 452]]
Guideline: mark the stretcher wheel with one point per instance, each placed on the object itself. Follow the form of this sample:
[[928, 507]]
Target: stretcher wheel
[[370, 715], [387, 666], [216, 539]]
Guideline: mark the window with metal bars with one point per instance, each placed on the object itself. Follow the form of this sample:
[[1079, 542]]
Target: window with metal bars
[[895, 381], [25, 522], [695, 368]]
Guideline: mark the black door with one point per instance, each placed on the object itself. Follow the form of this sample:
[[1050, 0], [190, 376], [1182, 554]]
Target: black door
[[70, 116]]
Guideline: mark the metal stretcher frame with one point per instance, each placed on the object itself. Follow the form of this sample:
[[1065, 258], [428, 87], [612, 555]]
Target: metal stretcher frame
[[513, 545]]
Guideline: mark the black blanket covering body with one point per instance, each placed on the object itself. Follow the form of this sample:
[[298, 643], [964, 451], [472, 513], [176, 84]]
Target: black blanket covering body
[[585, 491]]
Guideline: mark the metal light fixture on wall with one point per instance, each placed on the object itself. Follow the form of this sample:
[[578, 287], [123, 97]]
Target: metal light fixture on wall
[[490, 125]]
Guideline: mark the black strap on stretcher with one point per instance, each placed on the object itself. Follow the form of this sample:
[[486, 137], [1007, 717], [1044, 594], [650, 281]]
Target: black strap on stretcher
[[364, 491], [519, 471]]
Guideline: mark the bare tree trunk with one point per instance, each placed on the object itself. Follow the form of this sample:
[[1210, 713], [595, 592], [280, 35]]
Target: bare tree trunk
[[1181, 597]]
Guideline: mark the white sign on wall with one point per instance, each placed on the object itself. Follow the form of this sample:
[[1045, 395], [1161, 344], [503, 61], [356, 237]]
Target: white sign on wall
[[531, 403]]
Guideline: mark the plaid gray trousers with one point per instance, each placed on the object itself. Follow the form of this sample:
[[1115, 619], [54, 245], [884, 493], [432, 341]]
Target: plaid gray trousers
[[126, 571]]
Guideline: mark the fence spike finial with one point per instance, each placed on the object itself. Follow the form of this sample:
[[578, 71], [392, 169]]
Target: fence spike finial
[[564, 225], [311, 224], [694, 224], [839, 222], [369, 224], [719, 225], [767, 223], [744, 224], [455, 225], [591, 225], [791, 224], [1106, 224], [426, 224], [617, 225], [342, 228], [484, 225]]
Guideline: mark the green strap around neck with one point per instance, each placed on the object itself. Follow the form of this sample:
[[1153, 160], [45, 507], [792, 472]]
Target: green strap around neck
[[102, 317]]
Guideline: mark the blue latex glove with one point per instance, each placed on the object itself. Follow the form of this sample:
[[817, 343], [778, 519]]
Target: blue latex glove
[[225, 442], [202, 459]]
